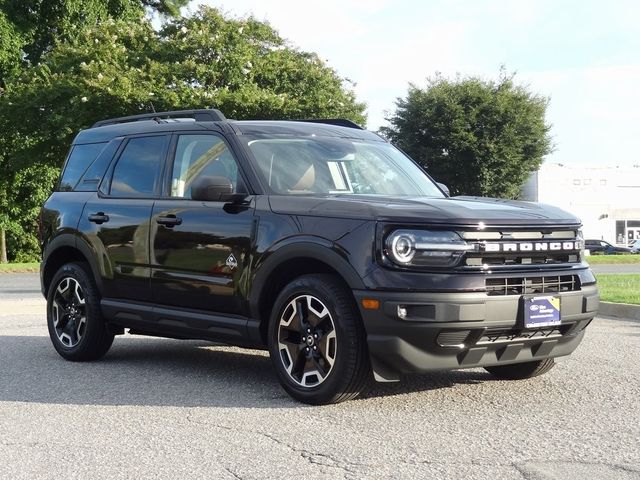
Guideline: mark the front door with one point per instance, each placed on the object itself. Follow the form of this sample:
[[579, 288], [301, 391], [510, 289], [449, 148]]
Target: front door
[[201, 250]]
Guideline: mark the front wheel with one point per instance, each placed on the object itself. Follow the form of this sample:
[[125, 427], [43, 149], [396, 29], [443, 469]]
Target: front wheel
[[76, 327], [317, 341], [520, 371]]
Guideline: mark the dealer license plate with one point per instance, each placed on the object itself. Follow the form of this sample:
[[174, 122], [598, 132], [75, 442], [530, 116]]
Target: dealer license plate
[[541, 311]]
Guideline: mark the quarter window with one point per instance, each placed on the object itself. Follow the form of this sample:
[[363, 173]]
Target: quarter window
[[137, 171], [198, 156], [81, 157]]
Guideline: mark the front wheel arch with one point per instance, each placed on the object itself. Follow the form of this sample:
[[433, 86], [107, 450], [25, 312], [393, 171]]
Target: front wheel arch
[[288, 263]]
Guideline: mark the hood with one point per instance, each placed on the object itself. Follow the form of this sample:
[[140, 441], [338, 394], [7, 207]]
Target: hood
[[454, 211]]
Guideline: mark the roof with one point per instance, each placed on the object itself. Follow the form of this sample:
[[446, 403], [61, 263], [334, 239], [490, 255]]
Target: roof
[[300, 128], [241, 127]]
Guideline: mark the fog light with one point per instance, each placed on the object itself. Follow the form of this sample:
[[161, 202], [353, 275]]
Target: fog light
[[402, 312]]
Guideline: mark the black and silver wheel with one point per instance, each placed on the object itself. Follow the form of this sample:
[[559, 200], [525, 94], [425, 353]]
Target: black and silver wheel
[[317, 342], [307, 340], [76, 327], [68, 312], [520, 371]]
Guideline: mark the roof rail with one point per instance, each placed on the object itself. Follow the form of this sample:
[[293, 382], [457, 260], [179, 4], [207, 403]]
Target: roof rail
[[341, 122], [202, 115]]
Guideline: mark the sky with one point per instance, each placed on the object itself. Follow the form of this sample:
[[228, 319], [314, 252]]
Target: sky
[[583, 55]]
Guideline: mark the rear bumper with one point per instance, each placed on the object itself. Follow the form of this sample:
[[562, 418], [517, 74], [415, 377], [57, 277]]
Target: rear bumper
[[445, 331]]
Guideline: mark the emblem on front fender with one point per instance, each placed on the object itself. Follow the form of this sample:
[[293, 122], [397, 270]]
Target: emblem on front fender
[[231, 262]]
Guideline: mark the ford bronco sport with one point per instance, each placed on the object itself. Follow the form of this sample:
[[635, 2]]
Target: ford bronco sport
[[316, 240]]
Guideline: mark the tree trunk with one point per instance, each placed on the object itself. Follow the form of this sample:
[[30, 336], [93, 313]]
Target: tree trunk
[[3, 246]]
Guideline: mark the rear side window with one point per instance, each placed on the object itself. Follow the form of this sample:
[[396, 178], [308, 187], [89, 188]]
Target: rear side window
[[80, 158], [138, 169]]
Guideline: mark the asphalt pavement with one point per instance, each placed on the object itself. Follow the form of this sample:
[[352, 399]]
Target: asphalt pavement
[[156, 408], [19, 286]]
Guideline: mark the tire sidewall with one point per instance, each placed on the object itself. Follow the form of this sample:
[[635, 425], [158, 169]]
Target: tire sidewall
[[346, 341]]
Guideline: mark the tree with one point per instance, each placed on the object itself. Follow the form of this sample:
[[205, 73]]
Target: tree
[[480, 137], [124, 67], [29, 29], [32, 27]]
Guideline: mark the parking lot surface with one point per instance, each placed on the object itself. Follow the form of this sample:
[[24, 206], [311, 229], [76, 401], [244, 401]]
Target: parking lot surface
[[156, 408]]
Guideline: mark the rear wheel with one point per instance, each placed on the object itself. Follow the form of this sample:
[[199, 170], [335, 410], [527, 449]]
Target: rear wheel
[[519, 371], [76, 327], [317, 341]]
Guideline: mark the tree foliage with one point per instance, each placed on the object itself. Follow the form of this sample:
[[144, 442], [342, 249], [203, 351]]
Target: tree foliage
[[30, 28], [480, 137], [122, 67]]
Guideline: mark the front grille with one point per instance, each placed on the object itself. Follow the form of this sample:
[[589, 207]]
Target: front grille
[[498, 335], [532, 285], [526, 248]]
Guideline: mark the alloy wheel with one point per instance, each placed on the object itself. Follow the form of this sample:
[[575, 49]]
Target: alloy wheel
[[307, 340], [69, 312]]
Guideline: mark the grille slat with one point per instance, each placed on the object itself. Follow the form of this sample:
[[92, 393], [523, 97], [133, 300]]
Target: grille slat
[[532, 285], [507, 335]]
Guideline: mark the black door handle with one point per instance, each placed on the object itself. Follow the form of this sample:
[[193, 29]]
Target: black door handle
[[98, 218], [169, 221]]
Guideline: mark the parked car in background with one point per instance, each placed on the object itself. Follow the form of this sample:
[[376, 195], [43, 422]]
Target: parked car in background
[[604, 248], [635, 246]]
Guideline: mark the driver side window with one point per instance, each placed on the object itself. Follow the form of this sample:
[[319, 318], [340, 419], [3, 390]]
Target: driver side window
[[201, 155]]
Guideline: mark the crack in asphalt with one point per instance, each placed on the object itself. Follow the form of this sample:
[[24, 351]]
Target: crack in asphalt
[[352, 469], [231, 472], [315, 458]]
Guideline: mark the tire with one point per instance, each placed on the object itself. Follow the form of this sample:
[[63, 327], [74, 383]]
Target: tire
[[520, 371], [76, 326], [332, 367]]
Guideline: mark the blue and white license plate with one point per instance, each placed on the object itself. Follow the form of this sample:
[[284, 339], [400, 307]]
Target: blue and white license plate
[[541, 311]]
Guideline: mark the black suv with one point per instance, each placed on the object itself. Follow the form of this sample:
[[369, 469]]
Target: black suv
[[316, 240]]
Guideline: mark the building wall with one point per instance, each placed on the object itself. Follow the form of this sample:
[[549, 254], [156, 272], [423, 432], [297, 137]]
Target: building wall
[[606, 199]]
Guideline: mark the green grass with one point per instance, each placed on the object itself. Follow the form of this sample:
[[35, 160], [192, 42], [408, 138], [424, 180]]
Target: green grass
[[619, 288], [613, 259], [19, 267]]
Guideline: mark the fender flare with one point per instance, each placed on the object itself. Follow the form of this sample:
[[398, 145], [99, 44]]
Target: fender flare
[[324, 252], [69, 240]]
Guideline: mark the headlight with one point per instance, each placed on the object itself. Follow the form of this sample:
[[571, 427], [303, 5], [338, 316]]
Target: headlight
[[425, 248]]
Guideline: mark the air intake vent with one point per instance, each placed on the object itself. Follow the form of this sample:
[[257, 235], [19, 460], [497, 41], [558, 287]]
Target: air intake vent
[[532, 285]]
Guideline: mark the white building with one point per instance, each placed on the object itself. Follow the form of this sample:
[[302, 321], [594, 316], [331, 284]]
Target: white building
[[606, 199]]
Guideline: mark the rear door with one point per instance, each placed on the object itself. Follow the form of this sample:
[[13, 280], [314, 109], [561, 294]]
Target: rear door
[[201, 250], [116, 220]]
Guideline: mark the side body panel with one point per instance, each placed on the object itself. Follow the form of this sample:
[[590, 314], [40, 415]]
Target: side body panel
[[120, 245], [203, 262]]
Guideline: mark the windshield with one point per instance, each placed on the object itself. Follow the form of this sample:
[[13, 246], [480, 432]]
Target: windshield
[[323, 165]]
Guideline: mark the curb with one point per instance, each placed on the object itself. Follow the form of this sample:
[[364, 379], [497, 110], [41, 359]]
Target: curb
[[622, 311]]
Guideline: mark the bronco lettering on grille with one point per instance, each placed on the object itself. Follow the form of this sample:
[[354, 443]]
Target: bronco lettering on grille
[[531, 246]]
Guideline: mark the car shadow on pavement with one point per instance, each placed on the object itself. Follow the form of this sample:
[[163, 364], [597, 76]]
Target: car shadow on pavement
[[161, 372]]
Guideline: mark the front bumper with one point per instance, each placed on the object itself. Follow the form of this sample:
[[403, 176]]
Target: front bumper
[[443, 331]]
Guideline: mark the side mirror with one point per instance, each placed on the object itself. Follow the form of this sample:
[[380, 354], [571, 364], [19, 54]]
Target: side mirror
[[444, 188], [212, 189]]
